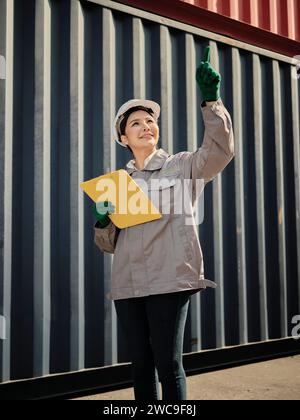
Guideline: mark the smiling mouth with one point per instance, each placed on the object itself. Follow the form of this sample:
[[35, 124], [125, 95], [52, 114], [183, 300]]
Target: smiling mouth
[[147, 136]]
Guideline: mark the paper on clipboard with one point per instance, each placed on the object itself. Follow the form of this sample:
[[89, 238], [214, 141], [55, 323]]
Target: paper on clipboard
[[133, 206]]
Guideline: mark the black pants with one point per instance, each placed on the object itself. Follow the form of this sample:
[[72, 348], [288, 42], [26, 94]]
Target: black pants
[[154, 329]]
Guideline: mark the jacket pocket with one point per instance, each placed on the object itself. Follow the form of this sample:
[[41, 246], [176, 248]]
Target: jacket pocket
[[163, 192], [161, 184]]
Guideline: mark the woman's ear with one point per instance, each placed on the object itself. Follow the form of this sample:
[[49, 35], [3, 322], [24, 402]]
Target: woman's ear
[[124, 140]]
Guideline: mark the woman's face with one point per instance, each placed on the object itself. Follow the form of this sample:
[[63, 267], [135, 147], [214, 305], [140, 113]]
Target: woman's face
[[141, 132]]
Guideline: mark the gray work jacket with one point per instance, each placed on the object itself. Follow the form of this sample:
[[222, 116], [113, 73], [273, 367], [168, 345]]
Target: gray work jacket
[[164, 256]]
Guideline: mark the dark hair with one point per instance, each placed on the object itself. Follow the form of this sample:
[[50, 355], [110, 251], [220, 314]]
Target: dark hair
[[126, 116]]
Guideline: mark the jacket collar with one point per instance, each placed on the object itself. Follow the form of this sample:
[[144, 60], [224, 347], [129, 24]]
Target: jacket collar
[[156, 162]]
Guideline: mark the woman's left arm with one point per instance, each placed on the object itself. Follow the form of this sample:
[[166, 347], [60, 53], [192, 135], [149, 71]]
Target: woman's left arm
[[217, 149]]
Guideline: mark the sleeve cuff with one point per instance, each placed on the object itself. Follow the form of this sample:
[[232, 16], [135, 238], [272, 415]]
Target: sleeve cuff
[[208, 103]]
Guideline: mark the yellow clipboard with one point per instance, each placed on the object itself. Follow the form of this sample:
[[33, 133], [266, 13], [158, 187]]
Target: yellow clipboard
[[133, 206]]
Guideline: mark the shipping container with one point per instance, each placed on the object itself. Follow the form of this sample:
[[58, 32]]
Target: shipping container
[[281, 17], [69, 65], [268, 24]]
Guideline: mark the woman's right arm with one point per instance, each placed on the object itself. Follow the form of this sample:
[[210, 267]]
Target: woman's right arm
[[106, 238], [106, 233]]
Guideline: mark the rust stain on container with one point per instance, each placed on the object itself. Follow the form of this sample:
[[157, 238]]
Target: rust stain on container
[[280, 216]]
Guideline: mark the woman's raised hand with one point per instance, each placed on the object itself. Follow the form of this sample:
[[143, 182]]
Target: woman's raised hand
[[209, 80]]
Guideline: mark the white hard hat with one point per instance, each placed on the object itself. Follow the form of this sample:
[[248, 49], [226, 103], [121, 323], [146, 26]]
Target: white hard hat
[[125, 107]]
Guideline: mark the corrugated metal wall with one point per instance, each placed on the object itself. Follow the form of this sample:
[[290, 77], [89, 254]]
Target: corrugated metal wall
[[281, 17], [69, 65]]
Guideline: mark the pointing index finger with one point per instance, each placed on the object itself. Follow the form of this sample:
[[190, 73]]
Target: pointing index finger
[[206, 57]]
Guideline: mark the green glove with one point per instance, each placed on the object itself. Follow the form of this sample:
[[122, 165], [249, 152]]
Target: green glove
[[101, 211], [208, 79]]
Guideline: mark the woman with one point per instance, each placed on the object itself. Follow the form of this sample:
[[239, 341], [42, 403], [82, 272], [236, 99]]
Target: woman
[[158, 265]]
